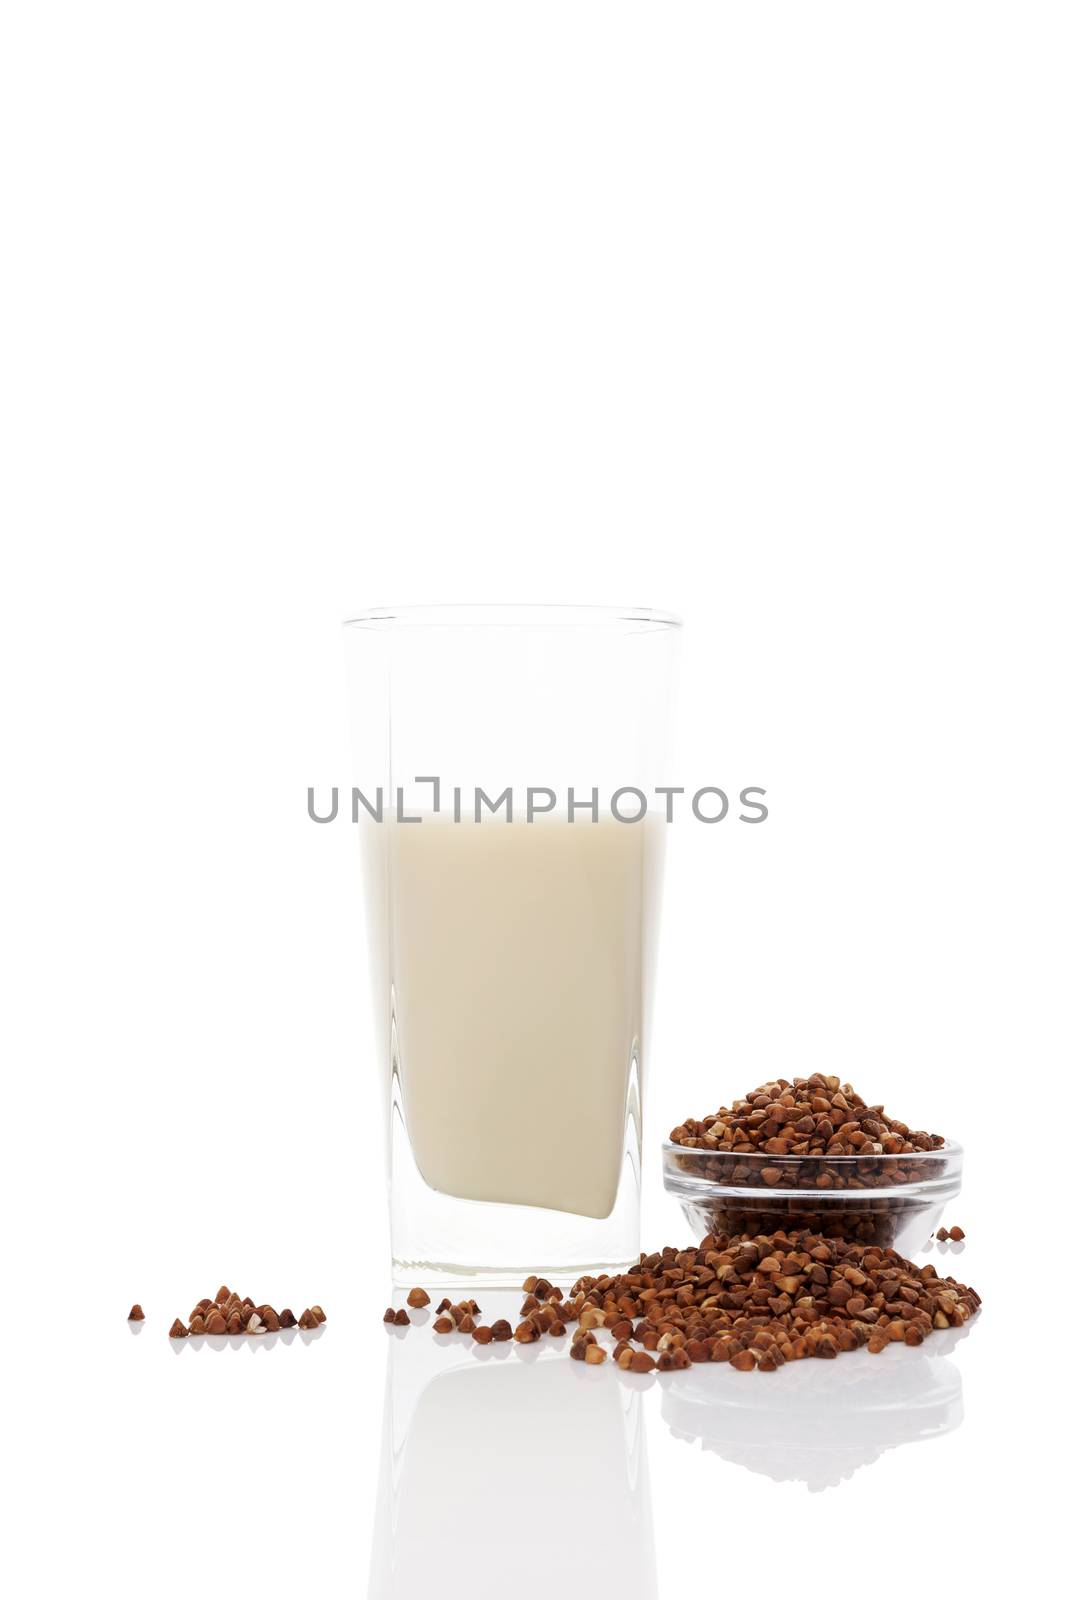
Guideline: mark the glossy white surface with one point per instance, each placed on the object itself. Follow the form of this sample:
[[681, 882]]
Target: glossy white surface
[[385, 1462]]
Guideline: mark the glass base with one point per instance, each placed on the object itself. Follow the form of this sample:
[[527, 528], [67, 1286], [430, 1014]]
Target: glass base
[[451, 1242], [452, 1275]]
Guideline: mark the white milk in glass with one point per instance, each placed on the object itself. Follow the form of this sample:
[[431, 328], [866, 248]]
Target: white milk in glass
[[511, 960]]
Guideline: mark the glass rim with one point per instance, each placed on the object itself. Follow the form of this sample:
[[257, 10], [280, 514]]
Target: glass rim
[[509, 615]]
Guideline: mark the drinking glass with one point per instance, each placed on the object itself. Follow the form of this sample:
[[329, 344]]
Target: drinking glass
[[510, 769]]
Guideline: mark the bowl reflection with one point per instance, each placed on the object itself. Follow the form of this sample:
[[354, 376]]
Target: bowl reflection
[[817, 1422]]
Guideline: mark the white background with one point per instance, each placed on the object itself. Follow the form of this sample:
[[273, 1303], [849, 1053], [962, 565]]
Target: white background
[[752, 312]]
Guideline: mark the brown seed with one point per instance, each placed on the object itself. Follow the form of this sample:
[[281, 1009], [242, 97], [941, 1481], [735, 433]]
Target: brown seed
[[390, 1316], [501, 1330], [466, 1323], [642, 1362], [222, 1295], [744, 1361], [309, 1320], [527, 1332], [235, 1325], [956, 1233], [136, 1314], [215, 1322], [445, 1323], [595, 1354], [286, 1319], [178, 1330], [196, 1324], [319, 1312], [942, 1234], [418, 1298], [482, 1334]]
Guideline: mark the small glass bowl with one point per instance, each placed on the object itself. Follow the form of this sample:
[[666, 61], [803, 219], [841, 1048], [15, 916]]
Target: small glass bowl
[[892, 1201]]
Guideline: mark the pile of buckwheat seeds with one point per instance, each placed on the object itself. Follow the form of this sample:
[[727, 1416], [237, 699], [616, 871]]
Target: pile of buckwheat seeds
[[229, 1313], [812, 1116], [755, 1302]]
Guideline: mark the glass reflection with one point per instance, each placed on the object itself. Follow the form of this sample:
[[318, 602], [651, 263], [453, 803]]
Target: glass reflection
[[508, 1469]]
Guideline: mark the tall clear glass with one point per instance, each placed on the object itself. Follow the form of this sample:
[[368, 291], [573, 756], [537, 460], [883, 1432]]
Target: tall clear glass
[[507, 760]]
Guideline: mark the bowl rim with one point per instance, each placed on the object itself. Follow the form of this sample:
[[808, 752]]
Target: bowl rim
[[937, 1183], [766, 1159]]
